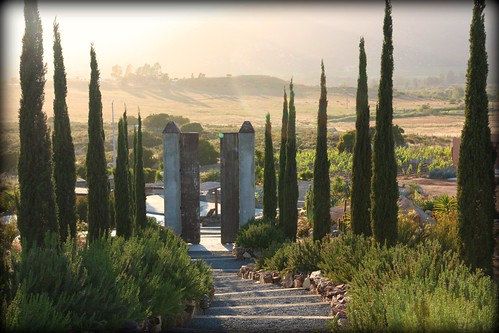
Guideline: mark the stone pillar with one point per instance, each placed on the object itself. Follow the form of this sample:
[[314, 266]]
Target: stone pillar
[[171, 177], [246, 173], [229, 186], [189, 180]]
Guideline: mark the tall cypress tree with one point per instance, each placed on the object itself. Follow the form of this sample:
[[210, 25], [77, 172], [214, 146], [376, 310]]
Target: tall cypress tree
[[121, 183], [384, 188], [139, 182], [321, 198], [361, 164], [37, 213], [269, 180], [64, 153], [475, 172], [282, 154], [97, 179], [289, 213]]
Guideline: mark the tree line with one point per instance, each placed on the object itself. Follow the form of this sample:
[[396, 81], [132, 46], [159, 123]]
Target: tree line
[[374, 194], [46, 164]]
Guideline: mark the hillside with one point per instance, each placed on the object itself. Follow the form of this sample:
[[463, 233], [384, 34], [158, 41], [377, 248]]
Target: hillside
[[228, 101]]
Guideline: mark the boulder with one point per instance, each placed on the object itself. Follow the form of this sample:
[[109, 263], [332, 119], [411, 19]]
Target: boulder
[[246, 255], [288, 280], [315, 274], [306, 283]]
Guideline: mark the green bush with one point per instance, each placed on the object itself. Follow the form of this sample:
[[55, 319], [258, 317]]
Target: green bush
[[301, 257], [438, 173], [259, 234], [423, 288], [212, 175], [35, 313], [107, 282], [341, 256]]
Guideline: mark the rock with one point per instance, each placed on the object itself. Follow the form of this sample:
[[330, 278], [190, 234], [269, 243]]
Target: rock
[[246, 275], [266, 277], [276, 279], [343, 322], [242, 270], [256, 276], [315, 274], [306, 283], [238, 253], [288, 280], [251, 274], [297, 283], [246, 255]]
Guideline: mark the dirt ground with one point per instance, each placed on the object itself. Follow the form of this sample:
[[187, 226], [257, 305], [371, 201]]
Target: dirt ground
[[433, 187]]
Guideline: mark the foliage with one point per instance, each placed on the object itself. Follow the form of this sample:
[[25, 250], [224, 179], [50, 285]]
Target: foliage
[[121, 183], [361, 160], [288, 212], [384, 189], [98, 287], [139, 194], [321, 215], [421, 288], [475, 171], [341, 256], [207, 153], [259, 234], [37, 213], [445, 173], [340, 190], [159, 121], [269, 182], [212, 175], [192, 127], [98, 188], [301, 257], [282, 152], [63, 148]]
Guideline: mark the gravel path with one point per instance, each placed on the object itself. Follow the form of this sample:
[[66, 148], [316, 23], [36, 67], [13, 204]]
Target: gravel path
[[241, 305]]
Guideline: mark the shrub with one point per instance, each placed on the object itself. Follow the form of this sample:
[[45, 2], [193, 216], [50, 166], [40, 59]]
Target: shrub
[[259, 234], [306, 175], [107, 282], [445, 173], [212, 175], [422, 288], [35, 312], [341, 256], [301, 257]]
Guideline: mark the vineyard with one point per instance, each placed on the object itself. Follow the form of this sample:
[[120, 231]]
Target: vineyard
[[417, 160]]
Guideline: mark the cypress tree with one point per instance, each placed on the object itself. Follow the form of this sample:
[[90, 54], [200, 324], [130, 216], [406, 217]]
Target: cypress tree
[[282, 154], [121, 183], [269, 180], [140, 217], [63, 148], [37, 213], [289, 213], [361, 164], [321, 197], [384, 188], [475, 172], [98, 187]]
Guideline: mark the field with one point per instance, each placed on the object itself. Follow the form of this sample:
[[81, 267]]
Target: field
[[227, 102]]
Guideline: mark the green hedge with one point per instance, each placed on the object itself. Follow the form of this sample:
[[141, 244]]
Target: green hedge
[[100, 286]]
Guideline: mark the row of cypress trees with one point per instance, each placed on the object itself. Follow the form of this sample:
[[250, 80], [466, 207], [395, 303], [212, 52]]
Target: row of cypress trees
[[47, 171], [374, 183]]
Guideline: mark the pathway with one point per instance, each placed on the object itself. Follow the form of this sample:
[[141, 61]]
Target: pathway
[[241, 305]]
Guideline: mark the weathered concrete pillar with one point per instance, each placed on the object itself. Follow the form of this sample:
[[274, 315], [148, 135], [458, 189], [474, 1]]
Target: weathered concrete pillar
[[189, 180], [229, 186], [246, 173], [171, 177]]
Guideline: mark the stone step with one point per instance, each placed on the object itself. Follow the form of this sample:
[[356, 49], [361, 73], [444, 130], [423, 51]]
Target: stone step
[[259, 323], [293, 309], [258, 300], [277, 289]]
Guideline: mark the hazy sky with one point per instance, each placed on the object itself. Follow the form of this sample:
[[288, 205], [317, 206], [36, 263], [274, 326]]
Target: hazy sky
[[277, 38]]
